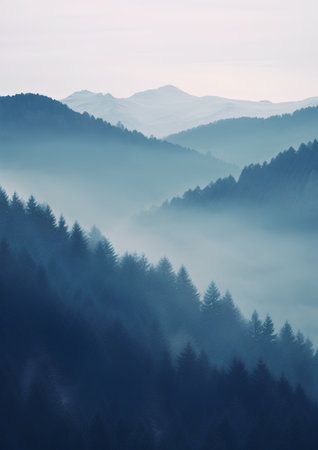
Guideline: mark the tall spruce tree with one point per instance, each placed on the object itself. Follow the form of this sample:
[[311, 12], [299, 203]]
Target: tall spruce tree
[[211, 299]]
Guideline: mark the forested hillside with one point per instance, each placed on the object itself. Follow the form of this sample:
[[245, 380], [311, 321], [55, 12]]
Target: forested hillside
[[286, 186], [122, 170], [101, 351], [249, 140]]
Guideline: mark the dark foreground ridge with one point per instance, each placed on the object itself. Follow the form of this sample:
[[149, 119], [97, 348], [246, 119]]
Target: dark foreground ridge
[[104, 352]]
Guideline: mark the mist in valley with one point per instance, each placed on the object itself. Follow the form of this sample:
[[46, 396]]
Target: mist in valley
[[266, 267], [158, 244]]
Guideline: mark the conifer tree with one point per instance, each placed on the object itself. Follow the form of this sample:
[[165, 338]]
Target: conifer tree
[[32, 207], [105, 254], [49, 218], [255, 327], [165, 271], [78, 241], [62, 228], [268, 330], [16, 205], [185, 288], [286, 335], [211, 299]]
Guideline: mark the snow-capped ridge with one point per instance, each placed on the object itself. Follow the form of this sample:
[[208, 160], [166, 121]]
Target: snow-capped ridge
[[167, 110]]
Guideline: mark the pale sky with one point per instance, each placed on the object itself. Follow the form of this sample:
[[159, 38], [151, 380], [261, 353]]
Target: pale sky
[[250, 49]]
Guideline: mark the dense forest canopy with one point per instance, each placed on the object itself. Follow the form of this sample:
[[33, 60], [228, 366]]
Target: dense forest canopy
[[287, 187], [101, 351], [249, 139]]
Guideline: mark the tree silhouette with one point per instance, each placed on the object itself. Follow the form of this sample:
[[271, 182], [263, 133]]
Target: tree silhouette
[[105, 255], [255, 327], [89, 357], [211, 299], [62, 228], [78, 242], [268, 330]]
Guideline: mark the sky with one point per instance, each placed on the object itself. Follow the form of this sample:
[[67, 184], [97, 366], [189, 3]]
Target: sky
[[248, 49]]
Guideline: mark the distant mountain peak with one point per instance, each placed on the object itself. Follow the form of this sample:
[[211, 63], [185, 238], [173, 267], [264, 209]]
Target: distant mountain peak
[[161, 92], [83, 92], [166, 110], [171, 88]]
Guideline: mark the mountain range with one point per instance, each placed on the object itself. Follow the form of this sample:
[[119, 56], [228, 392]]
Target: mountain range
[[249, 140], [167, 110], [122, 170]]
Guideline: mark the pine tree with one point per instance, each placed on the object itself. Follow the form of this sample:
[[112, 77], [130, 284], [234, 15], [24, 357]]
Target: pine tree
[[238, 377], [286, 335], [78, 241], [105, 255], [227, 301], [16, 205], [268, 330], [230, 315], [186, 289], [49, 218], [32, 207], [165, 271], [255, 327], [211, 299], [62, 228]]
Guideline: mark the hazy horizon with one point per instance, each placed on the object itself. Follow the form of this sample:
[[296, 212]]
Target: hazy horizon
[[154, 88], [242, 50], [158, 245]]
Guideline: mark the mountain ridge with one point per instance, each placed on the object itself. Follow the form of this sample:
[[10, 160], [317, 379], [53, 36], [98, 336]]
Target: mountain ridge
[[286, 187], [125, 167], [248, 140], [168, 109]]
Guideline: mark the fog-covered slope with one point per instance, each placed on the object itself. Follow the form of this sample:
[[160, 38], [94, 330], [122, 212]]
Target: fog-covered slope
[[122, 170], [288, 186], [100, 352], [169, 110], [257, 234], [248, 140]]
